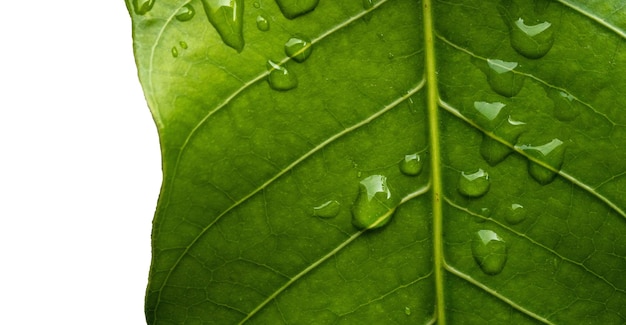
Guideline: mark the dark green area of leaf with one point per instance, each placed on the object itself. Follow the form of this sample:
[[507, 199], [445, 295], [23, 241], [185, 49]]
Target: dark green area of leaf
[[530, 92]]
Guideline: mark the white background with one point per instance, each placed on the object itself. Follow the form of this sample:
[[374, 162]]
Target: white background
[[79, 165]]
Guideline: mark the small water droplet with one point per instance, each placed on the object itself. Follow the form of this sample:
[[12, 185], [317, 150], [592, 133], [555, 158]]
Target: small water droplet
[[502, 78], [551, 153], [375, 203], [493, 151], [174, 52], [407, 311], [329, 209], [489, 251], [484, 213], [294, 8], [143, 6], [531, 41], [184, 45], [390, 56], [227, 18], [515, 214], [298, 48], [566, 107], [256, 4], [186, 13], [489, 110], [368, 4], [280, 78], [262, 23], [411, 164], [474, 184]]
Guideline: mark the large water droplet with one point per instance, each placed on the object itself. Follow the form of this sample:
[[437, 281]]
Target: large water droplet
[[489, 251], [294, 8], [227, 18], [142, 6], [515, 214], [531, 41], [566, 107], [411, 165], [551, 153], [262, 23], [280, 78], [298, 48], [503, 79], [329, 209], [474, 184], [489, 110], [186, 13], [375, 203]]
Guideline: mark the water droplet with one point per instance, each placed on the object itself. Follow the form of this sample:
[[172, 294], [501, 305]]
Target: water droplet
[[329, 209], [566, 107], [256, 4], [489, 251], [502, 78], [186, 13], [551, 153], [407, 311], [531, 41], [375, 203], [184, 45], [262, 23], [474, 184], [515, 214], [411, 164], [280, 78], [484, 213], [227, 18], [390, 56], [143, 6], [294, 8], [174, 52], [493, 151], [298, 48], [489, 110], [368, 4]]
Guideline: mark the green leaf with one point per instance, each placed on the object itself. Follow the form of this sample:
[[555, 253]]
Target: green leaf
[[457, 162]]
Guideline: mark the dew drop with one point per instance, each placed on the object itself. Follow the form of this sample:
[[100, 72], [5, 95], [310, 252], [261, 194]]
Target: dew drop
[[474, 184], [551, 153], [256, 4], [186, 13], [184, 45], [368, 4], [566, 107], [262, 23], [375, 203], [329, 209], [531, 41], [407, 311], [280, 78], [143, 6], [489, 110], [174, 52], [411, 165], [489, 251], [484, 213], [515, 214], [298, 48], [227, 18], [493, 151], [502, 79], [294, 8]]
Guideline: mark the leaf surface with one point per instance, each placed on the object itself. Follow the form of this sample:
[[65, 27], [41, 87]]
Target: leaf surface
[[457, 162]]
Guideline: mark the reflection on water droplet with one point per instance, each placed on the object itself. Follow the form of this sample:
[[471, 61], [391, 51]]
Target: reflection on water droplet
[[503, 79], [489, 251], [489, 110], [186, 13], [375, 203], [407, 311], [329, 209], [515, 214], [294, 8], [280, 78], [474, 184], [566, 107], [227, 18], [368, 4], [298, 48], [531, 41], [174, 52], [262, 23], [411, 164], [493, 151], [183, 44], [142, 6], [551, 153]]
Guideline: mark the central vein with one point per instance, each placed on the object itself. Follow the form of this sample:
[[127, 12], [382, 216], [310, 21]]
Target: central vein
[[435, 154]]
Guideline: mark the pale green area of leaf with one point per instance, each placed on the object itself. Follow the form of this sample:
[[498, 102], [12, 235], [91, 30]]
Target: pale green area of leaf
[[236, 237]]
